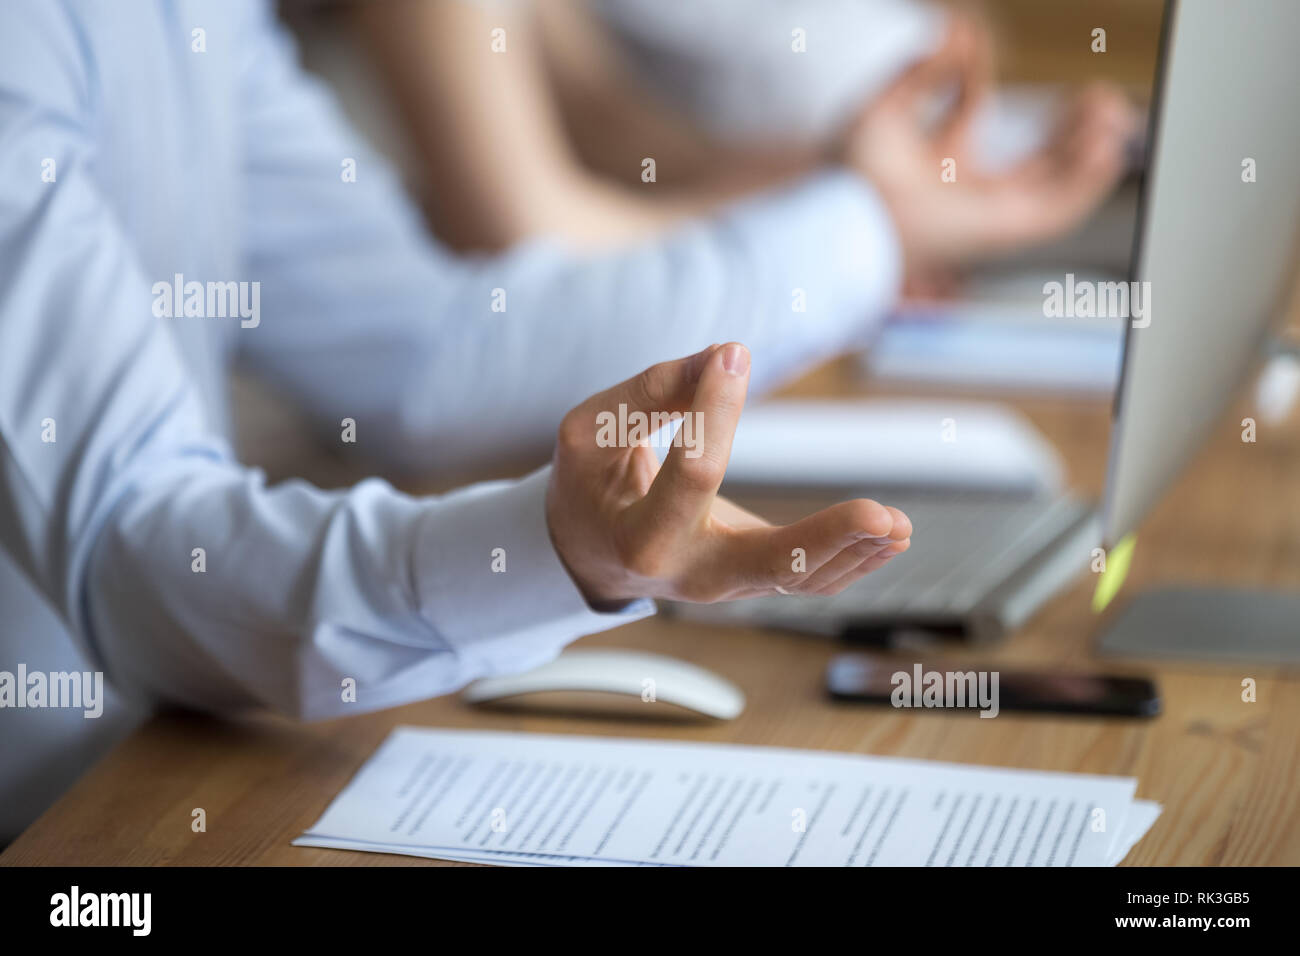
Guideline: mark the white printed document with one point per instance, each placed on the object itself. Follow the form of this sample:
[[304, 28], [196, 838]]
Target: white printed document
[[552, 800]]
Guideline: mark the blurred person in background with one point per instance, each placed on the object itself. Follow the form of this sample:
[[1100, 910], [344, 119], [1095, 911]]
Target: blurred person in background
[[535, 117]]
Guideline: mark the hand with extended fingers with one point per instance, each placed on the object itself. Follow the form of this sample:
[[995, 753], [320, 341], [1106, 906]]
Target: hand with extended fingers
[[627, 528]]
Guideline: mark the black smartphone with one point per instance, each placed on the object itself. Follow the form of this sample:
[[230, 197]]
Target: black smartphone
[[950, 686]]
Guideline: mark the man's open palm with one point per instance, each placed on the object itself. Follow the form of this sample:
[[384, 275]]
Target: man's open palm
[[627, 528]]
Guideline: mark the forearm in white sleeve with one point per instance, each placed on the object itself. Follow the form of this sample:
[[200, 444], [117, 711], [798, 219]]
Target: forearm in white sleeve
[[318, 604]]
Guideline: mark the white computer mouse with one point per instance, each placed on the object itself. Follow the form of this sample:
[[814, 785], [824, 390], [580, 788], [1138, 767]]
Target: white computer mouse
[[651, 678]]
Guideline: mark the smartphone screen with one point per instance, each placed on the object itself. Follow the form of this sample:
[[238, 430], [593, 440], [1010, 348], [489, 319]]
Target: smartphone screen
[[951, 686]]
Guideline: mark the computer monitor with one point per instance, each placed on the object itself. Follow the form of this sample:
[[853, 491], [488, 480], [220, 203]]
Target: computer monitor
[[1216, 249]]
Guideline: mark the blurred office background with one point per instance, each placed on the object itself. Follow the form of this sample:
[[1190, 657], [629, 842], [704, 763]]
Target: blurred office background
[[720, 77]]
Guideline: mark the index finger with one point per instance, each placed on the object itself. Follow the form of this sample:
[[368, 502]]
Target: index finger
[[686, 485]]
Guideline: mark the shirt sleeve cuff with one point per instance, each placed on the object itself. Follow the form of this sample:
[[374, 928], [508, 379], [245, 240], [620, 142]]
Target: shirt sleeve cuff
[[489, 581], [838, 223], [870, 254]]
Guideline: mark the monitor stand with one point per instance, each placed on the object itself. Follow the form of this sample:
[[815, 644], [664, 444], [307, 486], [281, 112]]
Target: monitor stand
[[1216, 625]]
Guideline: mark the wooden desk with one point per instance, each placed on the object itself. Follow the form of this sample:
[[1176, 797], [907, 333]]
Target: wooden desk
[[1226, 771]]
